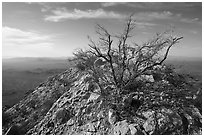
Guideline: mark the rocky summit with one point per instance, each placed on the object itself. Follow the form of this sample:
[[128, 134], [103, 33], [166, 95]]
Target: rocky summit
[[71, 103]]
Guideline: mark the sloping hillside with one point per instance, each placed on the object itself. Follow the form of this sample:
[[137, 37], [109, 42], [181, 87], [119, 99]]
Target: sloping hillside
[[72, 103]]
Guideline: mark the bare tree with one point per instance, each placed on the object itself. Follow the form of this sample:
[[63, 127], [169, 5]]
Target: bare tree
[[125, 62]]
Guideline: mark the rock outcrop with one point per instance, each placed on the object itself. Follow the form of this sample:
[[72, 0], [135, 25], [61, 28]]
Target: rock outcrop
[[71, 103]]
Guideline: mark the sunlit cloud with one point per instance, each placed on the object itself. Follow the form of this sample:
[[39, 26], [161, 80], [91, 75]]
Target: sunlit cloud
[[63, 14], [187, 20], [165, 15], [69, 22], [45, 6], [143, 25], [18, 42], [13, 35], [109, 4], [153, 5], [148, 16]]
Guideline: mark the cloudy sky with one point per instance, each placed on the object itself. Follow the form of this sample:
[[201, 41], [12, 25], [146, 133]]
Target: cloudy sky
[[58, 29]]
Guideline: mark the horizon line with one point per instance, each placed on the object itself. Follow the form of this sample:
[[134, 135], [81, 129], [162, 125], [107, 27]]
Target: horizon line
[[12, 57]]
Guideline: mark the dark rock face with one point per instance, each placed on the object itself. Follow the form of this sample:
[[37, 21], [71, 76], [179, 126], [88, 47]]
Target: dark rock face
[[62, 116], [14, 130], [69, 104], [136, 103], [35, 105]]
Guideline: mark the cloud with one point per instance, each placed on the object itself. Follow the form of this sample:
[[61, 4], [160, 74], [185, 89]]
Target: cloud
[[62, 14], [45, 7], [187, 20], [154, 5], [165, 15], [19, 42], [110, 4], [23, 37], [145, 24], [148, 16]]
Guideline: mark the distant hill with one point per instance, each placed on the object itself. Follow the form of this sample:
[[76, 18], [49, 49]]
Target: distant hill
[[19, 64], [23, 74], [186, 65], [20, 75]]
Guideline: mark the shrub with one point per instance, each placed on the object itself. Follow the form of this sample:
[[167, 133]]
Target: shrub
[[121, 62]]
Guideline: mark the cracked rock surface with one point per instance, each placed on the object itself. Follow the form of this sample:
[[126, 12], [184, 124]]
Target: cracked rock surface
[[71, 103]]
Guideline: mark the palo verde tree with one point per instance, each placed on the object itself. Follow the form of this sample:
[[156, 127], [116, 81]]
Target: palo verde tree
[[114, 61]]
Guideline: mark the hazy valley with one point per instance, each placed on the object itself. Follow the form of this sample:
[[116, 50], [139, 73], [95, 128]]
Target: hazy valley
[[21, 75]]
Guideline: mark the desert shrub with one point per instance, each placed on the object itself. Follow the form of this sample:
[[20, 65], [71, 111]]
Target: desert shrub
[[82, 61], [134, 86], [121, 62], [80, 66], [173, 78]]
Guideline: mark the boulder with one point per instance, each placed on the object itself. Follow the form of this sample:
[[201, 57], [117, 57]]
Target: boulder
[[93, 97], [112, 116], [162, 121], [62, 116], [148, 78], [132, 101], [122, 128], [149, 125]]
